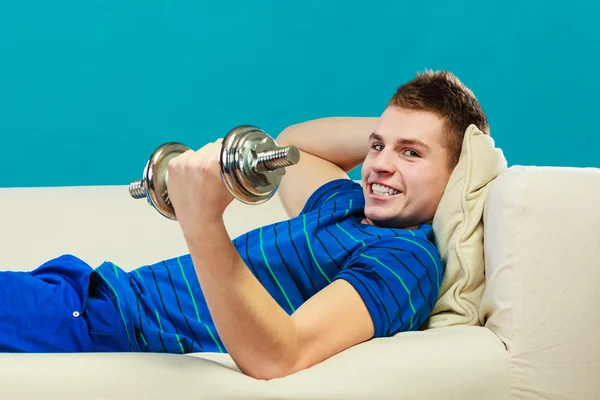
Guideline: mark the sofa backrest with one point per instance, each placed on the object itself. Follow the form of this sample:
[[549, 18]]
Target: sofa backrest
[[542, 253], [101, 223]]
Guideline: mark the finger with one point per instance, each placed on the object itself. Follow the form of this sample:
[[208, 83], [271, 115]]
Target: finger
[[180, 160]]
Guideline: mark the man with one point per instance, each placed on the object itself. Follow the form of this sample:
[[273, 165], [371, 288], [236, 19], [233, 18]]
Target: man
[[351, 264]]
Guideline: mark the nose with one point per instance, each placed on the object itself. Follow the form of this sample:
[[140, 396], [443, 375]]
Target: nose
[[383, 162]]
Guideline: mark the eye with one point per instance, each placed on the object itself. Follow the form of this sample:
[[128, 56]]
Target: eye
[[411, 153], [377, 146]]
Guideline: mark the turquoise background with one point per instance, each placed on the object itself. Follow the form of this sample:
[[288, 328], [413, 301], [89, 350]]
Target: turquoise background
[[88, 89]]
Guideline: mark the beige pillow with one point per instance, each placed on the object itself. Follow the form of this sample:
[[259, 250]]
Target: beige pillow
[[458, 231]]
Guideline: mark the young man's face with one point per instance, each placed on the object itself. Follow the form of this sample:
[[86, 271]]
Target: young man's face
[[406, 170]]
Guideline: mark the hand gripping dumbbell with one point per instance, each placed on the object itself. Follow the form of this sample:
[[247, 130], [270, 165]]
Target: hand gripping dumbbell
[[252, 165]]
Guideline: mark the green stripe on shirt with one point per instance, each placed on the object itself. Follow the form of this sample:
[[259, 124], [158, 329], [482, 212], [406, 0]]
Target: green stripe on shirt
[[196, 306], [311, 250], [403, 285], [118, 306], [271, 271], [432, 259]]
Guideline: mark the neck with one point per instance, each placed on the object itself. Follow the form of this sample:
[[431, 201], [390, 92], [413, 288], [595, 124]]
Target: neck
[[367, 221]]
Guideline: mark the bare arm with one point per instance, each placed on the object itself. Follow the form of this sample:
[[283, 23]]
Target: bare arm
[[261, 338], [330, 148]]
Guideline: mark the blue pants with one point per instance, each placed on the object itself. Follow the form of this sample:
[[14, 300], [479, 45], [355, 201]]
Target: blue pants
[[62, 306]]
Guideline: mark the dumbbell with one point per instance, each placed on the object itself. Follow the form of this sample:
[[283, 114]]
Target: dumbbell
[[252, 165]]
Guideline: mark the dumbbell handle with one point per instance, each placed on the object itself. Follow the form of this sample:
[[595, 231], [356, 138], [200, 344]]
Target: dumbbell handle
[[137, 190], [278, 158]]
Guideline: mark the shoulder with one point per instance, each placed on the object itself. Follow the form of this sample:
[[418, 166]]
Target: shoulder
[[338, 189], [398, 278], [401, 249], [402, 239]]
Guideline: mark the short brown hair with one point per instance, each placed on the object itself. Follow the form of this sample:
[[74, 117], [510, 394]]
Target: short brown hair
[[445, 95]]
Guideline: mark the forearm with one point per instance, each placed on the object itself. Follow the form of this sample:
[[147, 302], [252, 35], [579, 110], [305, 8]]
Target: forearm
[[258, 334], [343, 141]]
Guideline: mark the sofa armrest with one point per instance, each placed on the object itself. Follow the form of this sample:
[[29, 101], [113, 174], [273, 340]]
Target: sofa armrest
[[542, 253]]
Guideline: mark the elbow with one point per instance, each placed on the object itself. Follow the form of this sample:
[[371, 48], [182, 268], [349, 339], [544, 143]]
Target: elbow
[[280, 366], [272, 370], [266, 373], [285, 355], [285, 137]]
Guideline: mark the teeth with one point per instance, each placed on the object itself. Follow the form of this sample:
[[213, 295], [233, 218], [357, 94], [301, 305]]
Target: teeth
[[381, 190]]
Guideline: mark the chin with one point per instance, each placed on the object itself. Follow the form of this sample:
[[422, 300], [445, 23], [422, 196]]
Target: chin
[[386, 223], [387, 220], [381, 219]]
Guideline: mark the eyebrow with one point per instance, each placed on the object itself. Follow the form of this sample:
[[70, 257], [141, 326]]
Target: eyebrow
[[402, 141]]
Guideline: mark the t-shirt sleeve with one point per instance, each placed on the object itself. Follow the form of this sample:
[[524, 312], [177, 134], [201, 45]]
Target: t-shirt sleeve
[[336, 189], [398, 279]]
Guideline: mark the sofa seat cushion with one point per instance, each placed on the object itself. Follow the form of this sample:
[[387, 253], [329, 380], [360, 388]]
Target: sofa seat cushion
[[468, 362]]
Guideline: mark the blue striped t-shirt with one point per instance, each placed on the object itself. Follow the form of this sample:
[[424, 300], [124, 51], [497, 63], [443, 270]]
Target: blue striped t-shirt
[[396, 272]]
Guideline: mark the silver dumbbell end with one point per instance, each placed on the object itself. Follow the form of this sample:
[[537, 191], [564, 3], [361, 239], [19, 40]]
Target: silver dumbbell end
[[153, 185], [252, 166]]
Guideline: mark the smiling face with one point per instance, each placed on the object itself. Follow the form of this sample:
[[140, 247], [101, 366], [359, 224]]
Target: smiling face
[[406, 170]]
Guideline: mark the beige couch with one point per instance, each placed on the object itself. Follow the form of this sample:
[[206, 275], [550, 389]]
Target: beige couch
[[541, 338]]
